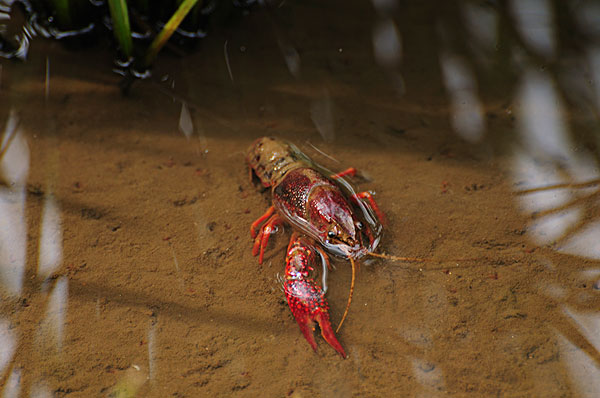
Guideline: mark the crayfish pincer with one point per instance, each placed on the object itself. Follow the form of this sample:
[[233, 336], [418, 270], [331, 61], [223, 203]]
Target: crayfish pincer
[[307, 299]]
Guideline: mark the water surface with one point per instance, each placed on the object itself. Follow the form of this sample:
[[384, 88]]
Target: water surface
[[126, 265]]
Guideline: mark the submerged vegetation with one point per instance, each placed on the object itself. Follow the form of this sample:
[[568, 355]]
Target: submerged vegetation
[[139, 28]]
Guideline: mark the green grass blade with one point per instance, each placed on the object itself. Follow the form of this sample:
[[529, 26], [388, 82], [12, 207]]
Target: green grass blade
[[167, 31], [121, 28]]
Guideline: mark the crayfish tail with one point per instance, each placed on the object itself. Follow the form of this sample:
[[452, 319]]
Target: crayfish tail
[[328, 334]]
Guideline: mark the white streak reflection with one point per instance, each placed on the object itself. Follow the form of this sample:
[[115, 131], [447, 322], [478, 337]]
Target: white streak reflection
[[291, 57], [226, 54], [584, 243], [14, 167], [179, 277], [550, 228], [482, 23], [14, 164], [540, 118], [467, 112], [186, 126], [12, 239], [13, 383], [387, 45], [321, 113], [583, 369], [535, 23], [50, 255], [52, 328], [7, 345], [40, 390]]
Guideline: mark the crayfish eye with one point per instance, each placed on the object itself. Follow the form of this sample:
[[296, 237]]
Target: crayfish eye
[[331, 234], [359, 225]]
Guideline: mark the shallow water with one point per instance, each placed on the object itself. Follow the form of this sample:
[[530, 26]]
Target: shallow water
[[124, 243]]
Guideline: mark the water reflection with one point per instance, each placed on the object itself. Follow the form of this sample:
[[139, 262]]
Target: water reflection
[[387, 43], [467, 113], [11, 388], [186, 126], [40, 390], [482, 24], [50, 252], [556, 176], [51, 329], [14, 170], [321, 113], [534, 20], [584, 369], [14, 166], [7, 344]]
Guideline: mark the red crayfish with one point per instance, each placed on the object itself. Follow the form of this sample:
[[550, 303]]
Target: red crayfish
[[327, 210]]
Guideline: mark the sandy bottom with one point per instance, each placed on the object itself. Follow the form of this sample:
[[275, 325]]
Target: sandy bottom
[[126, 247]]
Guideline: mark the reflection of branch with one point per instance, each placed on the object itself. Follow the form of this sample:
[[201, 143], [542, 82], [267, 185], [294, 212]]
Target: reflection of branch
[[565, 206], [586, 184], [587, 201], [566, 326], [585, 220]]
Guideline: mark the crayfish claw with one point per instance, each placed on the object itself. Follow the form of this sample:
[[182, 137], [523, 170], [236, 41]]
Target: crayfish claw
[[306, 298], [307, 328], [306, 323], [328, 334]]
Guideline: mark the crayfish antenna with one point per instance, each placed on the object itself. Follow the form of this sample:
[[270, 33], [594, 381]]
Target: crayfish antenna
[[418, 259], [349, 296], [396, 258]]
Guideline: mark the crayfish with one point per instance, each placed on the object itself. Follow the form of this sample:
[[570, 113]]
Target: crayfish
[[325, 208]]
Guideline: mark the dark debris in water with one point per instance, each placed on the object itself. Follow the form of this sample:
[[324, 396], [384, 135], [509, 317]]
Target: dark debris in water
[[91, 214]]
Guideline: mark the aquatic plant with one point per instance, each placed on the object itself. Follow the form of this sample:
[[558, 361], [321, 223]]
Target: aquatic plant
[[140, 30]]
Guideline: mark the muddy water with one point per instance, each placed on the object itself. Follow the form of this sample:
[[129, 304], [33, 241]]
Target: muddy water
[[126, 257]]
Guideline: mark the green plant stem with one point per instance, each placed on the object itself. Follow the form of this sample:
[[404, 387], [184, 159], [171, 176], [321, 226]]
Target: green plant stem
[[121, 28], [168, 30]]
